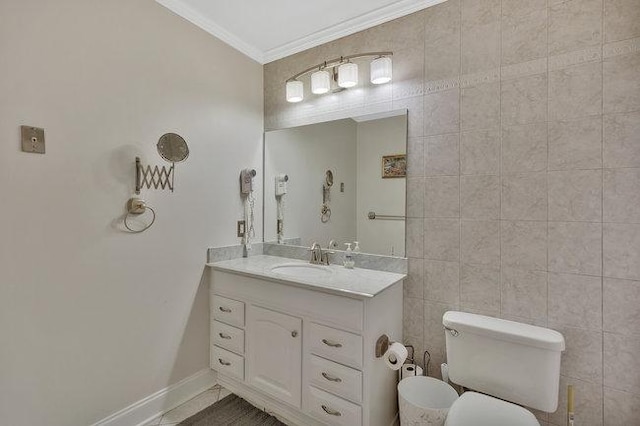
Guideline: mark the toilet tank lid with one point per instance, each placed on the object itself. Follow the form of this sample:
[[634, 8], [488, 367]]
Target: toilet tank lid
[[504, 330]]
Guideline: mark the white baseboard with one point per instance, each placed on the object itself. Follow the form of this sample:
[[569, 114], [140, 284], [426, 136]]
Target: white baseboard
[[154, 405]]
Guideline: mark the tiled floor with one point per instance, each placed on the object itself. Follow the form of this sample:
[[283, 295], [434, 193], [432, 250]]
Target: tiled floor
[[191, 407]]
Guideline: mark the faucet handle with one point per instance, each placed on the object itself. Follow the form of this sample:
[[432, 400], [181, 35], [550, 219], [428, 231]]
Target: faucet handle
[[325, 257]]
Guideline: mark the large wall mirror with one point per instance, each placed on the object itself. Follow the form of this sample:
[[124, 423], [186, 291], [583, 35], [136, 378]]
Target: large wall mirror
[[338, 182]]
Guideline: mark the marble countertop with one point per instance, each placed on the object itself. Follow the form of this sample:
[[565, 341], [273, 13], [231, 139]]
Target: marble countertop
[[358, 282]]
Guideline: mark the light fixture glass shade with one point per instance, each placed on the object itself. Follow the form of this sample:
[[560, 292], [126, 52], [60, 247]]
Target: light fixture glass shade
[[295, 91], [381, 70], [347, 75], [320, 82]]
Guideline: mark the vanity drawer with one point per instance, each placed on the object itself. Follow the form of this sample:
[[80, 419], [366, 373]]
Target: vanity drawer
[[335, 310], [227, 363], [332, 410], [336, 378], [337, 345], [228, 337], [228, 311]]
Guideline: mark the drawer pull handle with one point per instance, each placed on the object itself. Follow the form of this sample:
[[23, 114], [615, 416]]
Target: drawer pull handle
[[223, 362], [294, 333], [224, 336], [331, 378], [331, 412], [331, 344], [225, 310]]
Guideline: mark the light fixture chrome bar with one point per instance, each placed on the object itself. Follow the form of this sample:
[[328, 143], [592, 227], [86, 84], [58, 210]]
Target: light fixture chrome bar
[[338, 61]]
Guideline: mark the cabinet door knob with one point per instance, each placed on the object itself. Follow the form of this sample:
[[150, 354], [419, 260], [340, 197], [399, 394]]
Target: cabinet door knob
[[331, 378], [331, 344], [331, 412], [225, 310], [223, 362], [294, 333], [224, 336]]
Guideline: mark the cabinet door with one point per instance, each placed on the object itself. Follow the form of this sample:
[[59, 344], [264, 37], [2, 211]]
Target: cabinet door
[[274, 354]]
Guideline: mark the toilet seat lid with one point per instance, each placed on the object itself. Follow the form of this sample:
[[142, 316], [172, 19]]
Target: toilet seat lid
[[476, 409]]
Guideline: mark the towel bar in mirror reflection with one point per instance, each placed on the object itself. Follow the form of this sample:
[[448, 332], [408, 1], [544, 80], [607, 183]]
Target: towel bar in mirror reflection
[[374, 216]]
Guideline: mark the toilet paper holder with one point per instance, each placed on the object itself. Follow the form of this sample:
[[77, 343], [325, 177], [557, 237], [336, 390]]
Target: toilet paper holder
[[383, 343]]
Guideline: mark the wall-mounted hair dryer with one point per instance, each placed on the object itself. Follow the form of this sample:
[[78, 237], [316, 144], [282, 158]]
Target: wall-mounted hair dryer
[[246, 181], [281, 184]]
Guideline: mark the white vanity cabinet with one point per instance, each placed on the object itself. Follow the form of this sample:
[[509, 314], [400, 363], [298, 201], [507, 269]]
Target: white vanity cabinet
[[274, 347], [308, 354]]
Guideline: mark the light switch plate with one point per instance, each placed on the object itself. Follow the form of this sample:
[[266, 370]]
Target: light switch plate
[[32, 139]]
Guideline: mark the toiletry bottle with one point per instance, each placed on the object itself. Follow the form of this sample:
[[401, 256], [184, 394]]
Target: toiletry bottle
[[356, 249], [348, 257]]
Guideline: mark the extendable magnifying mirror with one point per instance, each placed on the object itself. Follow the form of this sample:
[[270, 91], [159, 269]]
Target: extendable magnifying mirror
[[173, 148], [325, 210], [328, 179]]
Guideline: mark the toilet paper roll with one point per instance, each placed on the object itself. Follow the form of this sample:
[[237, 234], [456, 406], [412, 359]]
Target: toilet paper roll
[[409, 370], [395, 356]]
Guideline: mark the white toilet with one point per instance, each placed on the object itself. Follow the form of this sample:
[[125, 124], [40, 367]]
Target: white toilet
[[510, 361]]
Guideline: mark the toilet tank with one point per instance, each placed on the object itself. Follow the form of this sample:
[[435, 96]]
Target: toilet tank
[[506, 359]]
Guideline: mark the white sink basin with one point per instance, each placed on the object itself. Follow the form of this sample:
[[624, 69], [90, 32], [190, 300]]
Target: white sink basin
[[300, 270]]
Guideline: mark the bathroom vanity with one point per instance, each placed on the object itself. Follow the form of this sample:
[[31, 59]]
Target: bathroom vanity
[[298, 340]]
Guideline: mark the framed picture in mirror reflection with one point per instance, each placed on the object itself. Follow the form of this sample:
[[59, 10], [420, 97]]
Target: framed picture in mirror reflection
[[394, 166]]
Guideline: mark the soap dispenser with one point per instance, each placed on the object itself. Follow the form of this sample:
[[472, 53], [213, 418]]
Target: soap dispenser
[[348, 257]]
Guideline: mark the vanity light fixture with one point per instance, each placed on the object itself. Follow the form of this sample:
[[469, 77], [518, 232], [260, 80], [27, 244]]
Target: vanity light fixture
[[320, 82], [343, 71], [347, 75], [381, 70], [295, 91]]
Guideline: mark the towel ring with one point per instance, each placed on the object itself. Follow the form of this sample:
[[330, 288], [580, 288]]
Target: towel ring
[[325, 213], [136, 207]]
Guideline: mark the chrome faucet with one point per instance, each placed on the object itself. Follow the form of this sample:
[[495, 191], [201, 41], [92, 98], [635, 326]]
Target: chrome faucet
[[318, 256], [316, 253]]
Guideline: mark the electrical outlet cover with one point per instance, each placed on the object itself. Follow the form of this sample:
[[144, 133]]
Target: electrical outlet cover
[[32, 139], [242, 228]]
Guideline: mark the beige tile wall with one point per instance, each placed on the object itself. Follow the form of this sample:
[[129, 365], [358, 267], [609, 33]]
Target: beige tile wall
[[524, 180]]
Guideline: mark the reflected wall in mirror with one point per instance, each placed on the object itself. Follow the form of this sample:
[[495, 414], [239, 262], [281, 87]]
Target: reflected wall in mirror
[[364, 157]]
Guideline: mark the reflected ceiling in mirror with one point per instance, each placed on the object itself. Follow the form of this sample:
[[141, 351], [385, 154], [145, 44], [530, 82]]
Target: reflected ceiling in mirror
[[338, 182]]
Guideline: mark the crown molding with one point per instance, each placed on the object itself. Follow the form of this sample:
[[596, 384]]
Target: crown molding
[[348, 27], [345, 28], [182, 9]]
